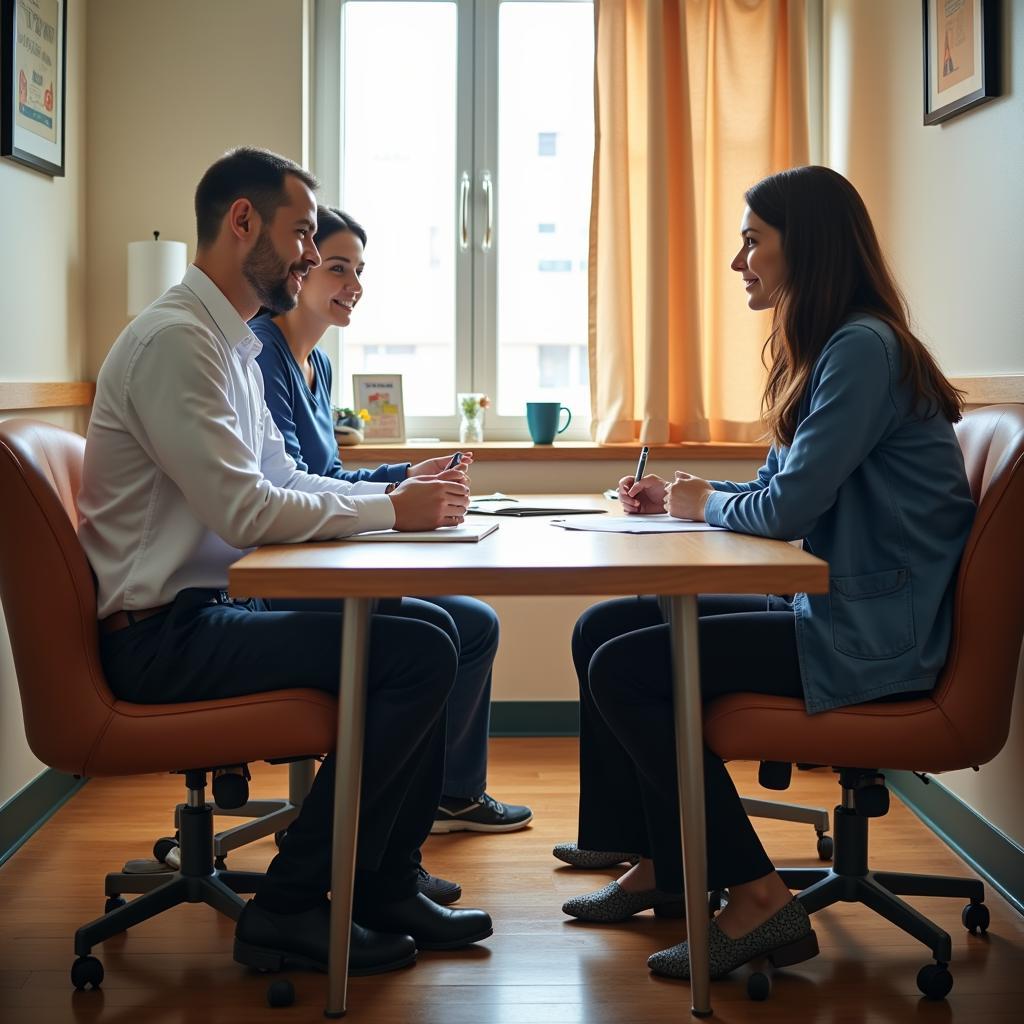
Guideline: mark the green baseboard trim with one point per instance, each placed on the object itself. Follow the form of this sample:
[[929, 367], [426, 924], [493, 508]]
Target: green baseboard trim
[[535, 718], [989, 851], [32, 806]]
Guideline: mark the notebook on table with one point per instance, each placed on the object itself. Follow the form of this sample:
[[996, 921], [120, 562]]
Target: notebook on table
[[505, 506], [466, 533]]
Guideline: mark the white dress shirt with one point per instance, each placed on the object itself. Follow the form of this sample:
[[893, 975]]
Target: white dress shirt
[[184, 467]]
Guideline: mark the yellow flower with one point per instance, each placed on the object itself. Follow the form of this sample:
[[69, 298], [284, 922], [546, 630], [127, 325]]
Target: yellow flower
[[364, 415]]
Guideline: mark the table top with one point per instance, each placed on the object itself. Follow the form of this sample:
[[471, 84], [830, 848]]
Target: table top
[[531, 557]]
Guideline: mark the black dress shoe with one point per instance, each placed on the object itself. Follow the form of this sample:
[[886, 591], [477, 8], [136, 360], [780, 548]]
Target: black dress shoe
[[270, 942], [432, 927]]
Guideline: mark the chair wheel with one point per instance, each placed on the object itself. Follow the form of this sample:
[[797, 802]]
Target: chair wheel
[[162, 847], [280, 993], [113, 902], [759, 986], [826, 847], [279, 837], [86, 970], [975, 917], [935, 981]]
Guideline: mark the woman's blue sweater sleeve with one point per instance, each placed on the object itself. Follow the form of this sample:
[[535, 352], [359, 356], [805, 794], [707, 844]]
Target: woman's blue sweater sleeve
[[852, 407]]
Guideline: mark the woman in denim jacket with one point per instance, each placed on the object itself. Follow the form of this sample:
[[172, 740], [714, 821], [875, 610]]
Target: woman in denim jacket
[[865, 469]]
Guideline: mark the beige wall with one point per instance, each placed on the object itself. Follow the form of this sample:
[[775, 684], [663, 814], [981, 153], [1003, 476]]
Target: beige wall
[[946, 199], [172, 86], [947, 203], [42, 294]]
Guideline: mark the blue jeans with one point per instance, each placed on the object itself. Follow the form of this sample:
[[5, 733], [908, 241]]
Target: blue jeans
[[469, 706]]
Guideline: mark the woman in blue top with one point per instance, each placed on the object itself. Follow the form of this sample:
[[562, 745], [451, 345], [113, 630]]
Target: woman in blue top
[[865, 469], [297, 385]]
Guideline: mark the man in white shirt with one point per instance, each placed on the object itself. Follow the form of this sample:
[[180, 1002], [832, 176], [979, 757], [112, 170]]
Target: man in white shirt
[[184, 471]]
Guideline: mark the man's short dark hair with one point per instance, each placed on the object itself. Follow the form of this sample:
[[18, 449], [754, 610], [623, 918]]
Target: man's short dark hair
[[244, 173]]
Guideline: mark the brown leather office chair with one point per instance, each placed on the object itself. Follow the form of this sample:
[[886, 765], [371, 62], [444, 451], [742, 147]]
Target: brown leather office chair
[[75, 724], [963, 723]]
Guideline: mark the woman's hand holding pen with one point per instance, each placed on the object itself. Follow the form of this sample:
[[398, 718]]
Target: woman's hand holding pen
[[643, 497], [686, 496]]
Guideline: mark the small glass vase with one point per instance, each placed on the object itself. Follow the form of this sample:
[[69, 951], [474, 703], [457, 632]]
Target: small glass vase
[[471, 418], [471, 429]]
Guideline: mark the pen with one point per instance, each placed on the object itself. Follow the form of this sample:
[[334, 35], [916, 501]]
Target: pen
[[456, 459], [641, 464]]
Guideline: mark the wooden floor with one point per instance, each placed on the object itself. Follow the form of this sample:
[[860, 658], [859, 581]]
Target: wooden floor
[[539, 966]]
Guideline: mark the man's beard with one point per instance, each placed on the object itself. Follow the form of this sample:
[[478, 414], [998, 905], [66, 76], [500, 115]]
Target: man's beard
[[268, 275]]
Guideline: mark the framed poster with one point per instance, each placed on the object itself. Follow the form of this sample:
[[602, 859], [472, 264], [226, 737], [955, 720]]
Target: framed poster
[[380, 394], [961, 56], [34, 88]]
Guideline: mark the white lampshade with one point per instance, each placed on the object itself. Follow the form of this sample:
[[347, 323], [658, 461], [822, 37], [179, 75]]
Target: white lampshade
[[153, 267]]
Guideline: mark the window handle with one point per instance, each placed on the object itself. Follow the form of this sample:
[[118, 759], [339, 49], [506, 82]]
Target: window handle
[[464, 186], [488, 186]]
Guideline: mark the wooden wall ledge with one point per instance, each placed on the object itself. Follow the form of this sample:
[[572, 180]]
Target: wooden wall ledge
[[560, 451], [70, 394]]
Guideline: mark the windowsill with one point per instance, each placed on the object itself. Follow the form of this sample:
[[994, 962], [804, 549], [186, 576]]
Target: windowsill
[[560, 451]]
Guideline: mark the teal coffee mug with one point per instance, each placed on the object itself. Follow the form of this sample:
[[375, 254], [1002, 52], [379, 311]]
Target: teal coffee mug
[[542, 419]]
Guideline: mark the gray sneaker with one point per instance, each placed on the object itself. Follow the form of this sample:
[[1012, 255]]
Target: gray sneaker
[[570, 853], [612, 903], [440, 890], [786, 938]]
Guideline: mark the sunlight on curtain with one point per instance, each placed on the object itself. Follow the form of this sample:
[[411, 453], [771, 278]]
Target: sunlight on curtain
[[695, 101]]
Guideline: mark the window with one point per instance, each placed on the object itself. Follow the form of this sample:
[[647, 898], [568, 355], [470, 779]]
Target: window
[[459, 132]]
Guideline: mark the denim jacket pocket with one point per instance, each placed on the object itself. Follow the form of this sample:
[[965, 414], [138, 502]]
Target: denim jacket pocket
[[872, 614]]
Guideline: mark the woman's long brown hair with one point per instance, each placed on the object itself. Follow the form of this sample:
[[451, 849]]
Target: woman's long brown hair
[[834, 270]]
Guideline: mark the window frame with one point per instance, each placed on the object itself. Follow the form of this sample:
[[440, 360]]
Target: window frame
[[476, 273]]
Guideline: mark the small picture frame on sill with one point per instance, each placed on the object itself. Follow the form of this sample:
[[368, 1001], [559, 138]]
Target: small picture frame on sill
[[33, 86], [381, 395], [961, 56]]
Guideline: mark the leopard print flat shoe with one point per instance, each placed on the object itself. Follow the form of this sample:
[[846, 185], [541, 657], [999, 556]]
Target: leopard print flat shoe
[[786, 938], [613, 903], [570, 853]]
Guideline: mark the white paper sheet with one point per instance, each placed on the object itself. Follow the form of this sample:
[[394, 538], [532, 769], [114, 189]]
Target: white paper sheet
[[635, 524]]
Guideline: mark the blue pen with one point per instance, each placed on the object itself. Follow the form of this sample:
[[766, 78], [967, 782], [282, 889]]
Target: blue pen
[[456, 459]]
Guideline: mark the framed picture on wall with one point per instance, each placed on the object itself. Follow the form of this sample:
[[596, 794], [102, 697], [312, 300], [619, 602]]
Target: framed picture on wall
[[961, 56], [34, 88], [380, 394]]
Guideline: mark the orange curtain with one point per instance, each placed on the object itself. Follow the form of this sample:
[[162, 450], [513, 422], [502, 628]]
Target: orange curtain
[[695, 101]]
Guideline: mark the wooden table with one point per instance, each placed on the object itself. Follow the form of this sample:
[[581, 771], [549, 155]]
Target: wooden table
[[528, 557]]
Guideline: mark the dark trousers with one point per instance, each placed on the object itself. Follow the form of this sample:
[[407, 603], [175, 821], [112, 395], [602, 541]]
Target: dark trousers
[[472, 627], [628, 792], [469, 705], [206, 647]]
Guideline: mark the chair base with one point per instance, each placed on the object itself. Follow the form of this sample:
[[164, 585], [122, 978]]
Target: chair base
[[196, 881], [219, 890], [850, 881], [777, 810], [881, 891]]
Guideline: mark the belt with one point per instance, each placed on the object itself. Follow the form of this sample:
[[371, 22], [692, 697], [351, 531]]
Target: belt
[[122, 620]]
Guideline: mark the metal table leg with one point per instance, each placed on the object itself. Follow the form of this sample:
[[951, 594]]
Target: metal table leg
[[690, 769], [355, 642]]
